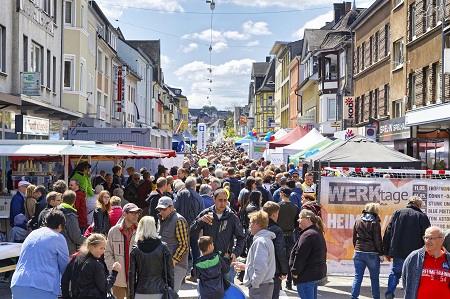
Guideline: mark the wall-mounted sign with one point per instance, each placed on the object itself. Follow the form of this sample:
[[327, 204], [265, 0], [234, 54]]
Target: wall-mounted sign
[[243, 120], [349, 108], [394, 129], [30, 125], [120, 78], [201, 137], [31, 83]]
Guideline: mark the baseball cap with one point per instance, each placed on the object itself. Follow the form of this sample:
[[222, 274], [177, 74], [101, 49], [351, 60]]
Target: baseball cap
[[23, 183], [283, 180], [286, 191], [164, 202], [131, 207]]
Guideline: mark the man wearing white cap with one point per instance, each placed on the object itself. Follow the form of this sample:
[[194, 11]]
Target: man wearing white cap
[[18, 202]]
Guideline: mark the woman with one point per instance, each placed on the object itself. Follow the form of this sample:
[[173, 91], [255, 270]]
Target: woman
[[308, 257], [250, 185], [33, 277], [368, 249], [87, 276], [108, 184], [101, 213], [30, 204], [91, 203], [149, 260]]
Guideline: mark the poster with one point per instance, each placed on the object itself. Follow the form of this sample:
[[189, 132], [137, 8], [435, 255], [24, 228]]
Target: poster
[[256, 149], [344, 198]]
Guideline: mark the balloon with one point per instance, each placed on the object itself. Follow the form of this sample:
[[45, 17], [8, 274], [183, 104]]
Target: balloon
[[254, 130], [267, 138], [272, 138], [315, 151], [254, 134], [250, 133], [308, 154]]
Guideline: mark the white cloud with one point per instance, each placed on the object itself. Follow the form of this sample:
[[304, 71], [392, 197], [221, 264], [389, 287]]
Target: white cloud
[[166, 61], [189, 48], [315, 23], [235, 35], [253, 43], [219, 47], [205, 35], [114, 9], [258, 28]]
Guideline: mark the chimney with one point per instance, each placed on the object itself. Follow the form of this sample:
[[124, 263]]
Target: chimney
[[267, 58], [348, 7], [340, 9]]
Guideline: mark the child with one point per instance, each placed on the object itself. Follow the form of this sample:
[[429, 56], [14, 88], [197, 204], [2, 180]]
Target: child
[[210, 269], [116, 210], [20, 230]]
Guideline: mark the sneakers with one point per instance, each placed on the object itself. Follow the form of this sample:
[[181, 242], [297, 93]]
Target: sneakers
[[389, 296], [191, 279]]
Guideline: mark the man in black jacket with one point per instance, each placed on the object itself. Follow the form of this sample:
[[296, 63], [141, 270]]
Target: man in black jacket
[[265, 194], [40, 193], [403, 235], [281, 257], [235, 185]]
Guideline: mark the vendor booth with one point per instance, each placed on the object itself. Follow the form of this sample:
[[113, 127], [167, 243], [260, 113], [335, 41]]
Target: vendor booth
[[302, 155], [289, 138]]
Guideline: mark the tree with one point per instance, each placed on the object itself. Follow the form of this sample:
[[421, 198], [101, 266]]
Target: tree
[[229, 127], [209, 108]]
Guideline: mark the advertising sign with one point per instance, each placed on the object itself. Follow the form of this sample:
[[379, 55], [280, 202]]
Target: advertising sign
[[343, 199], [243, 120], [256, 149], [201, 137], [31, 83], [30, 125], [394, 129], [349, 108], [120, 76]]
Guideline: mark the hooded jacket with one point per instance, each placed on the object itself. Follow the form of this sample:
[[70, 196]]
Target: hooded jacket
[[101, 221], [260, 260], [281, 257], [71, 230], [367, 234], [147, 267], [210, 269], [223, 231], [296, 197]]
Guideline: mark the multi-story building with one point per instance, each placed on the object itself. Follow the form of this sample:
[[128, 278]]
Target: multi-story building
[[281, 83], [30, 65], [295, 77], [264, 104]]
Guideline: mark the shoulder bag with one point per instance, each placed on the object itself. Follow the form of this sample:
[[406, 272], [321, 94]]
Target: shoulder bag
[[168, 293]]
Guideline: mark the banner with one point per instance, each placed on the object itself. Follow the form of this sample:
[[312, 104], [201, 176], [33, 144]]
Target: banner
[[344, 198], [201, 137], [242, 120], [349, 108], [256, 149]]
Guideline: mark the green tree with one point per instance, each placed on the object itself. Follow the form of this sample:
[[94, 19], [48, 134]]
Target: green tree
[[229, 127]]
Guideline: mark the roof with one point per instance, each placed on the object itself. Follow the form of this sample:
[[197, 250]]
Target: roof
[[375, 5], [289, 138], [150, 47], [333, 39], [259, 69], [312, 39], [269, 79], [348, 19]]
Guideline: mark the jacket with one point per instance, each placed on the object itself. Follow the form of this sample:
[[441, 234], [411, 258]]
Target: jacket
[[80, 206], [210, 270], [367, 234], [144, 190], [223, 231], [40, 206], [281, 257], [17, 206], [235, 186], [207, 200], [189, 204], [131, 193], [71, 230], [266, 195], [296, 197], [308, 258], [152, 201], [118, 250], [260, 260], [149, 260], [114, 215], [101, 222], [85, 183], [412, 271], [116, 183], [87, 277], [175, 232], [404, 232]]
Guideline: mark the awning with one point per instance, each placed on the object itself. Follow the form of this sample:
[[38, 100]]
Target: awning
[[8, 100], [48, 110], [142, 150]]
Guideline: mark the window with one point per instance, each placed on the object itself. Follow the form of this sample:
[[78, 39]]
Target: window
[[83, 17], [370, 103], [99, 98], [438, 11], [331, 109], [387, 32], [412, 89], [69, 75], [375, 103], [54, 74], [387, 94], [375, 47], [428, 11], [99, 61], [342, 64], [91, 40], [357, 59], [398, 53], [363, 105], [371, 52], [363, 56], [261, 101], [438, 84], [25, 53], [398, 108], [91, 89], [412, 21], [106, 66], [82, 75], [2, 49], [49, 68], [379, 54], [269, 100], [105, 101], [36, 59], [68, 13], [426, 85]]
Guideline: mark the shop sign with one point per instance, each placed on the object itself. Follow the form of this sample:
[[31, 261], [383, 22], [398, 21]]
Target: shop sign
[[30, 125], [394, 129], [306, 119], [31, 83], [349, 107]]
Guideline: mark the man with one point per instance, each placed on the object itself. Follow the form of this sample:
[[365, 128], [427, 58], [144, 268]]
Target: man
[[117, 181], [80, 204], [100, 179], [276, 185], [235, 185], [287, 221], [82, 176], [222, 224], [296, 176], [182, 174], [205, 173], [18, 201], [174, 230], [131, 190], [144, 190], [296, 194], [189, 204], [260, 265], [153, 198], [71, 230], [276, 194], [266, 196], [130, 171], [308, 185], [215, 184], [426, 271], [281, 258], [120, 241], [40, 193], [292, 169], [53, 200], [402, 236]]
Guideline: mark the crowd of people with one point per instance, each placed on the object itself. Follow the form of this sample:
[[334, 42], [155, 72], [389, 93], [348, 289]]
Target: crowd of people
[[217, 217]]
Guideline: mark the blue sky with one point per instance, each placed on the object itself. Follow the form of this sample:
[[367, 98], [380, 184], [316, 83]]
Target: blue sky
[[243, 32]]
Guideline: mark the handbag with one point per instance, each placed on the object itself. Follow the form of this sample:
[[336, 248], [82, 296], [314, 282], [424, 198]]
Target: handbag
[[168, 293]]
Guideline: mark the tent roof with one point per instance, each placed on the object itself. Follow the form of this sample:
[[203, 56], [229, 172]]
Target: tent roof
[[312, 137], [280, 133], [360, 151], [320, 146], [289, 138], [142, 151]]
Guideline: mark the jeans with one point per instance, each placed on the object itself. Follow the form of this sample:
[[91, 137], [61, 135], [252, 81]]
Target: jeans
[[371, 260], [308, 290], [394, 276], [230, 275], [193, 243]]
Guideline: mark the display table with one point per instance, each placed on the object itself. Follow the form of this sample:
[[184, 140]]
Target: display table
[[9, 250]]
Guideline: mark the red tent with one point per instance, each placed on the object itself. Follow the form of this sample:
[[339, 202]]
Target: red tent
[[289, 138]]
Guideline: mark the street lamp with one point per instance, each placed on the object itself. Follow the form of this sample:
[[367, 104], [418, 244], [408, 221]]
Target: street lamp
[[212, 5]]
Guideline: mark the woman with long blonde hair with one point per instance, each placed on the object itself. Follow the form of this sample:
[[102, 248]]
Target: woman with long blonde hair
[[30, 203], [101, 213]]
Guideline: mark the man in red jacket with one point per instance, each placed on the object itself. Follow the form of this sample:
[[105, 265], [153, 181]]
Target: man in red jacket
[[80, 204]]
